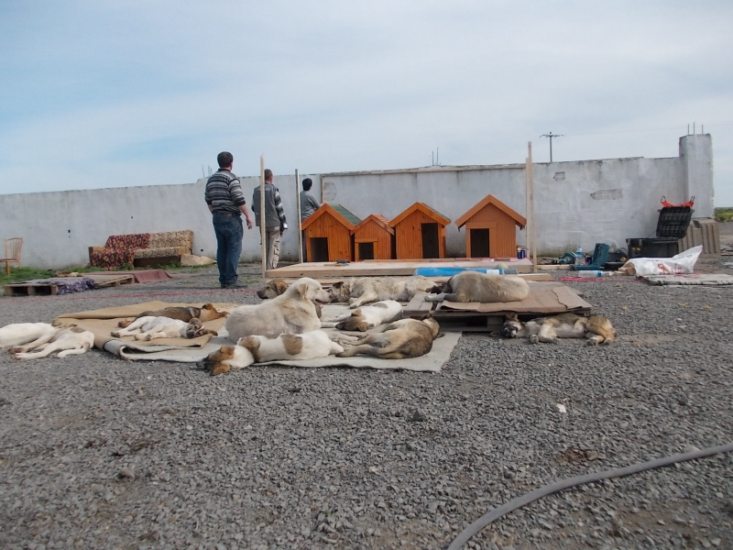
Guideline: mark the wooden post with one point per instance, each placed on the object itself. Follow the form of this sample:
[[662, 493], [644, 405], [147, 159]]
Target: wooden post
[[263, 229], [529, 199], [300, 228]]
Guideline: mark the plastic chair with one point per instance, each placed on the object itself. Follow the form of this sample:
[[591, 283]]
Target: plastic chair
[[599, 258], [13, 249]]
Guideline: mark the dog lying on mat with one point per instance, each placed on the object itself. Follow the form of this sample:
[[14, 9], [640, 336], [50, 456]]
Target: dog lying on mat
[[399, 340], [206, 312], [292, 312], [261, 349], [361, 290], [473, 286], [151, 327], [596, 328], [372, 315]]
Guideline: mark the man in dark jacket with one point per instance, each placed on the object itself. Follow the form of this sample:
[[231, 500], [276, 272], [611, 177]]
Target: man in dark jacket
[[275, 222]]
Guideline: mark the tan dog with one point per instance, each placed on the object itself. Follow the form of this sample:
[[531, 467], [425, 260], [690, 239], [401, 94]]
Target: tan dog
[[206, 312], [293, 312], [67, 341], [399, 340], [372, 315], [596, 328], [261, 349], [362, 290], [275, 287], [472, 286]]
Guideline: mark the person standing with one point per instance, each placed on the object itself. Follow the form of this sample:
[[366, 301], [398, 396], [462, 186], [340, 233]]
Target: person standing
[[275, 222], [308, 205], [226, 203]]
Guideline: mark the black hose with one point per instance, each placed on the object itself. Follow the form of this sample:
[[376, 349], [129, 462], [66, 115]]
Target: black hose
[[520, 501]]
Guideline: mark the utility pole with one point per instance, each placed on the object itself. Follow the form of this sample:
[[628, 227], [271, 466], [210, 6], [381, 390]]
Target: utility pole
[[550, 136]]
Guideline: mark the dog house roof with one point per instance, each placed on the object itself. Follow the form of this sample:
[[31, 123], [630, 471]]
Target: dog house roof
[[380, 220], [341, 214], [425, 209], [493, 201]]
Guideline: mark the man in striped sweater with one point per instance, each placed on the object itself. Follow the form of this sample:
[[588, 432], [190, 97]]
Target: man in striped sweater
[[226, 202], [275, 222]]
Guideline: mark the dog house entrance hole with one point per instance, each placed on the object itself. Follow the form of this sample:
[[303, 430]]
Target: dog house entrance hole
[[480, 247], [319, 249], [430, 248], [366, 251]]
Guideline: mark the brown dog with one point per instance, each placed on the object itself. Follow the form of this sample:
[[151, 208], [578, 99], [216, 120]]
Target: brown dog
[[399, 340], [206, 312], [597, 329]]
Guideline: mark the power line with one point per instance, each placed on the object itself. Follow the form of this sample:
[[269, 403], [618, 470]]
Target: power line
[[551, 136]]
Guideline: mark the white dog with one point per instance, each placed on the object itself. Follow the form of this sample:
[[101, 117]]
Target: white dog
[[293, 312], [32, 334], [68, 341], [369, 316], [261, 349], [151, 327]]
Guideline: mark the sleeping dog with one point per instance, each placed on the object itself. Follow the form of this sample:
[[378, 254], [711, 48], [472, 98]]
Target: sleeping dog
[[399, 340], [261, 349], [150, 327], [32, 334], [362, 290], [472, 286], [372, 315], [206, 312], [596, 328], [67, 341]]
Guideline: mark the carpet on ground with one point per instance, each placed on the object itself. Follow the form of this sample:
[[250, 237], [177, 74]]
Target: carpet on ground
[[103, 321]]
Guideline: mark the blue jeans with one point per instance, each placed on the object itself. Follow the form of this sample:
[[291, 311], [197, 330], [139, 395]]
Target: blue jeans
[[229, 233]]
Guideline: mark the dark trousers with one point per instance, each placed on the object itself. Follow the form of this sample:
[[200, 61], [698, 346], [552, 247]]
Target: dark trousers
[[229, 232]]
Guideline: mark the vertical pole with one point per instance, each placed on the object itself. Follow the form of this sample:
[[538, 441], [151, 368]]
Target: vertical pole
[[529, 197], [263, 234], [300, 223]]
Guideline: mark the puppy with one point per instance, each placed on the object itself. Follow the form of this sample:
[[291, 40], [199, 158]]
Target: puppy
[[361, 290], [67, 341], [151, 327], [206, 312], [272, 288], [596, 328], [261, 349], [32, 334], [399, 340], [293, 312], [365, 317], [472, 286]]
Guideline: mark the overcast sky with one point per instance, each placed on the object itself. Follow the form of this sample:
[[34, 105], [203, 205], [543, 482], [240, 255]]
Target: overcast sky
[[116, 93]]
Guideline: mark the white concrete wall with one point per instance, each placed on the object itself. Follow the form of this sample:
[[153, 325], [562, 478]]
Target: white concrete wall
[[576, 203]]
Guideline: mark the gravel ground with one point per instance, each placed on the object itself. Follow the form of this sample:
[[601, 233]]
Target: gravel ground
[[98, 452]]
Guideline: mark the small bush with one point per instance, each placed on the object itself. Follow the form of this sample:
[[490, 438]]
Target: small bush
[[724, 214]]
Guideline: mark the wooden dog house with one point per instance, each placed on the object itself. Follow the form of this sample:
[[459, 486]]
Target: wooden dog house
[[491, 229], [419, 233], [373, 239], [327, 233]]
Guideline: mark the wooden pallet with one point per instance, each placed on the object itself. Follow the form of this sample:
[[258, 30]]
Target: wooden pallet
[[41, 288], [31, 289]]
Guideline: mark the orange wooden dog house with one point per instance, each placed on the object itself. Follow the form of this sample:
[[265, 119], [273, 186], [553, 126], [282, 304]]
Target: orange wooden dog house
[[327, 233], [491, 229], [373, 239], [419, 233]]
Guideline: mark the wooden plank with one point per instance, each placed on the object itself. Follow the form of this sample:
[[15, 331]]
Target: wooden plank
[[375, 268], [104, 281]]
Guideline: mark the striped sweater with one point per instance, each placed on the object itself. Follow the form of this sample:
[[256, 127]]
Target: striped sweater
[[224, 192]]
